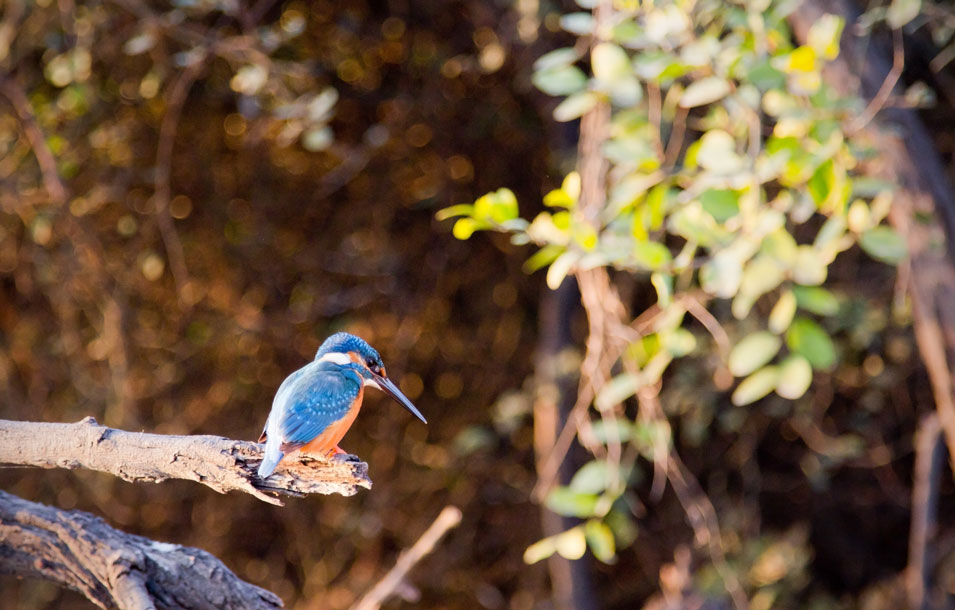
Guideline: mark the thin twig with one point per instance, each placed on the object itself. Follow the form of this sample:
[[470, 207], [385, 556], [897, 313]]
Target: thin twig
[[163, 187], [52, 182], [877, 102], [448, 519], [675, 143]]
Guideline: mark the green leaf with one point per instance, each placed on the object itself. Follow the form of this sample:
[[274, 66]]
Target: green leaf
[[812, 341], [575, 106], [617, 390], [752, 352], [498, 206], [679, 342], [884, 244], [651, 255], [562, 80], [542, 257], [592, 478], [795, 375], [600, 539], [817, 300], [783, 311], [462, 209], [757, 385], [722, 204], [705, 91], [557, 58], [901, 12], [571, 503]]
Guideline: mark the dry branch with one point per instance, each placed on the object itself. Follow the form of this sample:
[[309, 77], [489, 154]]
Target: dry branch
[[114, 569], [448, 519], [220, 463]]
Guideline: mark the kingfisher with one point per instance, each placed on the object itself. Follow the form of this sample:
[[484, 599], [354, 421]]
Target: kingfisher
[[315, 405]]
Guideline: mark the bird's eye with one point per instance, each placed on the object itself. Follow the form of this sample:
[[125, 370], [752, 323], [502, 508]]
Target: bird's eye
[[372, 365]]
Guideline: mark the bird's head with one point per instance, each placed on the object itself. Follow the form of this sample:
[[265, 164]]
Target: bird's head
[[354, 352]]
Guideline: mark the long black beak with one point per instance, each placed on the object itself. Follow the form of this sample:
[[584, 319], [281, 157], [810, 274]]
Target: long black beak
[[388, 387]]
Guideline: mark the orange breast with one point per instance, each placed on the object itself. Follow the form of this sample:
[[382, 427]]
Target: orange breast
[[325, 443]]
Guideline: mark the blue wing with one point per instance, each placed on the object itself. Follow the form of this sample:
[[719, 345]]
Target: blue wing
[[322, 395]]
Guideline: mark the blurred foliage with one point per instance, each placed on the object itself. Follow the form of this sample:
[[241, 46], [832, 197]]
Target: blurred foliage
[[232, 182], [735, 173]]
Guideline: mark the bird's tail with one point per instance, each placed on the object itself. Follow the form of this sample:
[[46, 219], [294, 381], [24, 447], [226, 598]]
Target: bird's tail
[[272, 457]]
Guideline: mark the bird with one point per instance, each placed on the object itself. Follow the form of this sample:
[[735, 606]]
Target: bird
[[314, 407]]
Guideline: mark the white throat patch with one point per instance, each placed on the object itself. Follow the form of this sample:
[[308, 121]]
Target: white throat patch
[[336, 358]]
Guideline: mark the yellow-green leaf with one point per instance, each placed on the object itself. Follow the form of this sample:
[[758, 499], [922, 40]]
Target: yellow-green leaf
[[705, 91], [752, 352], [757, 385], [795, 375]]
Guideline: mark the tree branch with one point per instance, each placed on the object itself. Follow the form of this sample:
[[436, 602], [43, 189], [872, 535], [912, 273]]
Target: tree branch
[[114, 569], [220, 463]]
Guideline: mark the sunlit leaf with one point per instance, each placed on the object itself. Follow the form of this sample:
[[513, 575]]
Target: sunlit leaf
[[812, 341], [571, 544], [580, 24], [705, 91], [901, 12], [593, 477], [679, 342], [540, 550], [559, 269], [651, 255], [615, 391], [809, 267], [556, 59], [610, 62], [824, 35], [722, 274], [782, 313], [600, 539], [795, 376], [562, 80], [756, 386], [542, 257], [575, 106], [752, 352]]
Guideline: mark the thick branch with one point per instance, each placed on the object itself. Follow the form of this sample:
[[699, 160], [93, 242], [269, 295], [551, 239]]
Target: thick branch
[[220, 463], [114, 569]]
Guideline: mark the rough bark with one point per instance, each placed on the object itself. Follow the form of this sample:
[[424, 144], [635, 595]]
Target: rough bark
[[908, 156], [220, 463], [114, 569]]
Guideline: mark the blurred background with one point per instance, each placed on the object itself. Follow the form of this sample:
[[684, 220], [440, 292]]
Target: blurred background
[[194, 194]]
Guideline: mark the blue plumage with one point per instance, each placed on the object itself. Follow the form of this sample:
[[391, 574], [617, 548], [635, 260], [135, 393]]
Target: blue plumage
[[318, 399]]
